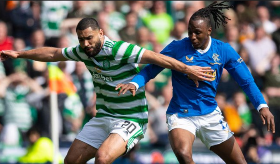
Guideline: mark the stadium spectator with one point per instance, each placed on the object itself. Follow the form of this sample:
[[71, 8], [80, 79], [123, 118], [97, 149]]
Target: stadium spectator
[[142, 40], [40, 149], [231, 37], [159, 22], [225, 81], [2, 76], [52, 15], [79, 10], [14, 89], [36, 68], [129, 32], [260, 50], [23, 21], [178, 32], [229, 112], [82, 79], [272, 89], [64, 41], [158, 132], [138, 8], [264, 18], [239, 102], [6, 42]]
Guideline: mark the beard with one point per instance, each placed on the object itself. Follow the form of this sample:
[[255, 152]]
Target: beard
[[95, 49]]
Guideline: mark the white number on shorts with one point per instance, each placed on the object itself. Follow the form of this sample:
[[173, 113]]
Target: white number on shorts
[[130, 128]]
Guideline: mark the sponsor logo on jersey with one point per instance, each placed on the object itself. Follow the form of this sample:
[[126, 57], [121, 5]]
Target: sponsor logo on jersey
[[102, 77], [189, 59], [213, 74]]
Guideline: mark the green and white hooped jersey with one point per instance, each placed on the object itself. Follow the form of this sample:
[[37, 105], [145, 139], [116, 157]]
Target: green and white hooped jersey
[[116, 63]]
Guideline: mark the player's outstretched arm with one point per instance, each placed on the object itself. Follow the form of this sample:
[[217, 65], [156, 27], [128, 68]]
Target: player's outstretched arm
[[194, 72], [44, 54]]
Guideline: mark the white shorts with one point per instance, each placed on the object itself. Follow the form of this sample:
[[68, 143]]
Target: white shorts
[[210, 128], [96, 131]]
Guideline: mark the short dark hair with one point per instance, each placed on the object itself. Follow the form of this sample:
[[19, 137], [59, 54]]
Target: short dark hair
[[86, 23], [214, 9]]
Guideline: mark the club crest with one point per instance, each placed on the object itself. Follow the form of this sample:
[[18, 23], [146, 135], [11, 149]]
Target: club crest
[[240, 60], [106, 64], [216, 59]]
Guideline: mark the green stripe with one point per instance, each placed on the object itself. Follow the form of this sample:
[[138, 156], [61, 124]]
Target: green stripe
[[127, 53], [138, 120], [130, 141], [125, 99], [104, 86], [87, 62], [106, 45], [109, 43], [76, 54], [136, 59], [66, 53], [116, 48], [102, 58], [124, 75], [134, 110], [81, 49]]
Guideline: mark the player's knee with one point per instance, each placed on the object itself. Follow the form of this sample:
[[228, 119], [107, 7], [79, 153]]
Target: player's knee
[[102, 158], [68, 160], [71, 160], [184, 155]]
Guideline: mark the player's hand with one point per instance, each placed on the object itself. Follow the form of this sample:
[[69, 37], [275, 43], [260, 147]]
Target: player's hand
[[267, 118], [125, 87], [197, 73], [8, 54]]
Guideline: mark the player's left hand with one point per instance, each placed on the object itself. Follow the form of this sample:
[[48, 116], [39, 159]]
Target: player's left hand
[[197, 73], [125, 87], [267, 118]]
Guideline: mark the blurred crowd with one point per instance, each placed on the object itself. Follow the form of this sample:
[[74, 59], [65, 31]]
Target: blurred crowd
[[253, 31]]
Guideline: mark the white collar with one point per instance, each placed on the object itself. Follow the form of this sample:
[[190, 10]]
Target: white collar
[[207, 48]]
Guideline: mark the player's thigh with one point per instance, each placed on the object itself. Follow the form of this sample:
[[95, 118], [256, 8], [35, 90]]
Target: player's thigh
[[229, 151], [124, 135], [181, 140], [80, 152], [113, 147], [181, 133]]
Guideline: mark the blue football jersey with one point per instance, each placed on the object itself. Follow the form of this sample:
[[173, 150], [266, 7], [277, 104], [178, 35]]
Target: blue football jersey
[[188, 100]]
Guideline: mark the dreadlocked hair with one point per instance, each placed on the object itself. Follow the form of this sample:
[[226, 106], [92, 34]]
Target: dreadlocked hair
[[216, 10]]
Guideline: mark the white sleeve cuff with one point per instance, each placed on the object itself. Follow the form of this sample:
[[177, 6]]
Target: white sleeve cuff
[[136, 85], [261, 106]]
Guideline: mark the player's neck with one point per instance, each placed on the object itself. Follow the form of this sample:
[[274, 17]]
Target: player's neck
[[206, 44]]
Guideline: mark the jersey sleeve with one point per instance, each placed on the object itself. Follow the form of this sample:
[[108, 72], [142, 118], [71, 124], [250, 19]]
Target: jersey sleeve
[[235, 65], [151, 70], [70, 53], [127, 53]]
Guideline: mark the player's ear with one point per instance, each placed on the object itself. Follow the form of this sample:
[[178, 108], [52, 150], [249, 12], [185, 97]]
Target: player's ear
[[209, 31], [101, 33]]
